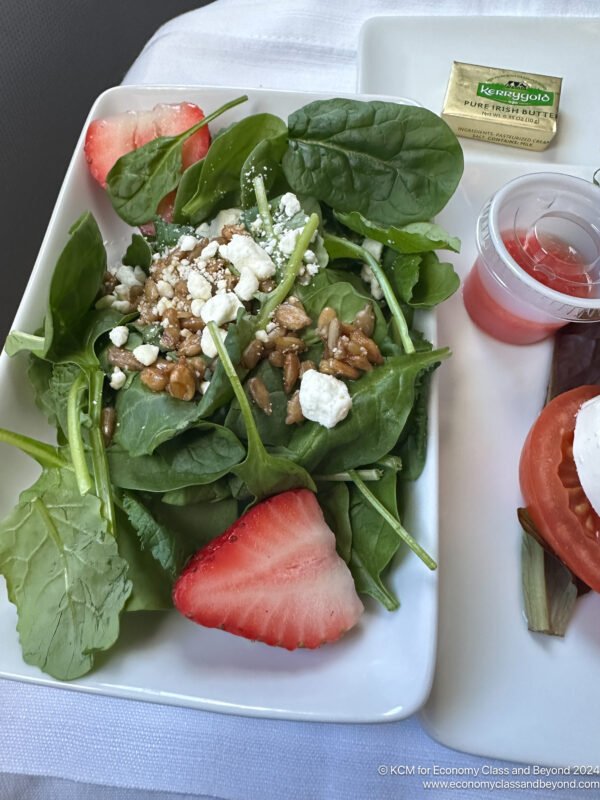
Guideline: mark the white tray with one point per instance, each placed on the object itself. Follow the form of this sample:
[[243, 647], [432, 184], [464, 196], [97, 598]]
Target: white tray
[[381, 671], [499, 690]]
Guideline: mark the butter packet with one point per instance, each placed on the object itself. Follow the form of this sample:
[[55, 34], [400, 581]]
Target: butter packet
[[517, 109]]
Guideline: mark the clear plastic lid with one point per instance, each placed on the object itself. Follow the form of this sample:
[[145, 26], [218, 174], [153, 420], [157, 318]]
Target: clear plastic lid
[[540, 237]]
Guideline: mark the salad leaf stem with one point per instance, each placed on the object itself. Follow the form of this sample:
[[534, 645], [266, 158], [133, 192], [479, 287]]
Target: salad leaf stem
[[45, 454], [292, 269], [340, 477], [76, 445], [99, 459], [263, 204], [353, 250], [392, 521], [263, 473], [17, 341]]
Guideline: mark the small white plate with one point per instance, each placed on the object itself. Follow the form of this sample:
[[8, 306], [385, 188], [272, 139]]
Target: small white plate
[[382, 671], [499, 690]]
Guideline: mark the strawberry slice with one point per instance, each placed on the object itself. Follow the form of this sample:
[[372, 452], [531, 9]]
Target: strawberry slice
[[110, 138], [273, 576]]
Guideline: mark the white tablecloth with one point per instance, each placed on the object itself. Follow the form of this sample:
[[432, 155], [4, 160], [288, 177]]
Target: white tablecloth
[[104, 742]]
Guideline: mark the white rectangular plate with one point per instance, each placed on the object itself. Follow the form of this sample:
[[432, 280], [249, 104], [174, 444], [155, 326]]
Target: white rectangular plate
[[499, 690], [381, 671]]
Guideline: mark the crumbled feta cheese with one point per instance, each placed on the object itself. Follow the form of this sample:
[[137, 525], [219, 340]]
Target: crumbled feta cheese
[[256, 225], [373, 247], [119, 335], [185, 333], [244, 253], [121, 291], [126, 275], [187, 242], [165, 289], [196, 307], [117, 379], [106, 301], [324, 399], [146, 354], [210, 251], [203, 230], [124, 306], [287, 243], [247, 285], [204, 387], [261, 336], [198, 286], [229, 216], [368, 276], [221, 308], [207, 344], [290, 204], [310, 257], [139, 275], [162, 305]]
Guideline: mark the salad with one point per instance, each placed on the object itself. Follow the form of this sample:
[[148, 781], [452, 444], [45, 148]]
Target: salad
[[241, 398]]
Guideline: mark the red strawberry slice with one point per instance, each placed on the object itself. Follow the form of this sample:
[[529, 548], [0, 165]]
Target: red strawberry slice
[[273, 576], [108, 139]]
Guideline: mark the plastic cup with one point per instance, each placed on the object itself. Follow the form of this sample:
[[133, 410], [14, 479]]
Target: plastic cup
[[539, 258]]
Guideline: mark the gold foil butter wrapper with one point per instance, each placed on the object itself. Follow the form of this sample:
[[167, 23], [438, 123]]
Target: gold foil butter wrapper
[[517, 109]]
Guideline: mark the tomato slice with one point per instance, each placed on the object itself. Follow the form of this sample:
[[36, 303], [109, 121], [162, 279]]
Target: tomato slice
[[550, 485]]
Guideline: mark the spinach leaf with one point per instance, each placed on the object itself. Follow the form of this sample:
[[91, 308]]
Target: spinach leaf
[[140, 179], [374, 542], [198, 456], [75, 283], [416, 237], [381, 403], [186, 190], [155, 538], [219, 180], [197, 524], [167, 234], [334, 500], [403, 273], [147, 419], [271, 428], [263, 474], [437, 282], [393, 164], [139, 253], [56, 398], [412, 445], [151, 585], [264, 160], [206, 493], [64, 574]]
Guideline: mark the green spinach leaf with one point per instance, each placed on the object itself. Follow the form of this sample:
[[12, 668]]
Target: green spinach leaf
[[374, 542], [381, 403], [219, 180], [201, 455], [416, 237], [139, 253], [334, 499], [64, 574], [186, 190], [437, 282], [394, 164], [264, 160]]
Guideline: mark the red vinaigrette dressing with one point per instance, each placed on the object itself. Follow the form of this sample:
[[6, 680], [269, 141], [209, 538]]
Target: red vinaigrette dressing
[[553, 263]]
